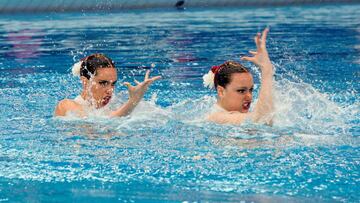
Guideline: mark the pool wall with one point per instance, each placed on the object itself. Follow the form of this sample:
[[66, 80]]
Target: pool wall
[[10, 6]]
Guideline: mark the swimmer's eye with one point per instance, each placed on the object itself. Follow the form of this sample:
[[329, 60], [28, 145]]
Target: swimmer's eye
[[113, 84], [103, 83], [242, 91]]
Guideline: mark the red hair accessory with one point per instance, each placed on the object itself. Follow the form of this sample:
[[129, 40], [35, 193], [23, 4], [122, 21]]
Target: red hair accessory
[[215, 69]]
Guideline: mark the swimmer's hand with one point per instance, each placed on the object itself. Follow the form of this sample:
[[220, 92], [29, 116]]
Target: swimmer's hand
[[136, 93], [260, 56]]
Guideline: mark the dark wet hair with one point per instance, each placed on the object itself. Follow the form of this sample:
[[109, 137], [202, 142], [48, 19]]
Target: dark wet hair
[[224, 72], [92, 62]]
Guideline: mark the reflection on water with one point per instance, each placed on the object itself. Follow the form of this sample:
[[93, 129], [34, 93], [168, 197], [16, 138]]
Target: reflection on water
[[25, 44]]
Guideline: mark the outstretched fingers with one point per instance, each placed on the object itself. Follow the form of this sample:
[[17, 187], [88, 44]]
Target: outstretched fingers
[[253, 52], [247, 58], [260, 56], [260, 39], [137, 82], [128, 85], [155, 78], [263, 37], [148, 79], [147, 74], [257, 40], [151, 80]]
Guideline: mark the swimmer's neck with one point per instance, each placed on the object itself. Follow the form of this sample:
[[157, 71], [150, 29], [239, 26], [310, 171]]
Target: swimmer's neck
[[85, 96]]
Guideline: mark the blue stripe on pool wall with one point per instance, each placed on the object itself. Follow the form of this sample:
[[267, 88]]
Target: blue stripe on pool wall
[[10, 6]]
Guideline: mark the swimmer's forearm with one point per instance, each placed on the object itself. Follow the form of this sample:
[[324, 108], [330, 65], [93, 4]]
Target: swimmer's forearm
[[126, 108], [264, 107], [267, 69]]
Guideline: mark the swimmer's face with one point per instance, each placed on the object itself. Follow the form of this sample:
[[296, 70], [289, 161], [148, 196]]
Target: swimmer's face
[[102, 85], [237, 95]]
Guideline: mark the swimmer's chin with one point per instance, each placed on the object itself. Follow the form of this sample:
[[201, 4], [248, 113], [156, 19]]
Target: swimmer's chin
[[244, 111]]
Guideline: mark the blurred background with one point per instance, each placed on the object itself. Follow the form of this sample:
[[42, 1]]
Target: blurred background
[[8, 6]]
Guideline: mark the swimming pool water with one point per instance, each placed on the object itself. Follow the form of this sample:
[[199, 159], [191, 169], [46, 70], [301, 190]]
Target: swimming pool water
[[165, 151]]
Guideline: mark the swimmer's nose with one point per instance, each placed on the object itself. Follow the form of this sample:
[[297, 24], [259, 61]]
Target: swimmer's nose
[[110, 90], [248, 95]]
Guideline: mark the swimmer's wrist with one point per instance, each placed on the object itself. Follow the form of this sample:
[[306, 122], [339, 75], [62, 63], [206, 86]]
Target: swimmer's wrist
[[268, 73], [266, 64], [134, 101], [267, 69]]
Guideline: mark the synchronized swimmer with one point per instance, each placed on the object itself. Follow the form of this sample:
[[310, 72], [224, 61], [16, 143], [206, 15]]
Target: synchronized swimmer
[[98, 76], [232, 81], [234, 85]]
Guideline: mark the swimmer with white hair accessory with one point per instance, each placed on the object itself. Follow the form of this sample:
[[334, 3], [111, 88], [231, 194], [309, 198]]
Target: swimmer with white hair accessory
[[234, 85], [98, 76]]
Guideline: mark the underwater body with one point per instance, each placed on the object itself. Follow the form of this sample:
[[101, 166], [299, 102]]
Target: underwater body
[[165, 150]]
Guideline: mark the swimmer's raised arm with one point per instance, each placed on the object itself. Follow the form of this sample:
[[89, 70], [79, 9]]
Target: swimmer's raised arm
[[264, 107], [136, 93]]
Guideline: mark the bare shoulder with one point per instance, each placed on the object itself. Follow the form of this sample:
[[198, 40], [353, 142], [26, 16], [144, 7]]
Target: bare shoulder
[[65, 106], [228, 117]]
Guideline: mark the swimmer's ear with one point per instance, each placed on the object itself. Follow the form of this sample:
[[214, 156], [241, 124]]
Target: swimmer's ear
[[84, 81], [220, 91]]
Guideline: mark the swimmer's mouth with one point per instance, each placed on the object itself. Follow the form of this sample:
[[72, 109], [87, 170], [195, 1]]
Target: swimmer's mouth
[[246, 107], [106, 100]]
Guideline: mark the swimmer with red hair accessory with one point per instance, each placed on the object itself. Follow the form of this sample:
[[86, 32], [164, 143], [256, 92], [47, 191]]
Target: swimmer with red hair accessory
[[98, 76], [234, 85]]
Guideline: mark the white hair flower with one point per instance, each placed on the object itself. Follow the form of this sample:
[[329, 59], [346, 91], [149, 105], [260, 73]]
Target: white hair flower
[[208, 79], [76, 69]]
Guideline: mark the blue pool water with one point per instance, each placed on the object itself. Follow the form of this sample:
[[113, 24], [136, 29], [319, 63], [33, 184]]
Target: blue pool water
[[165, 151]]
